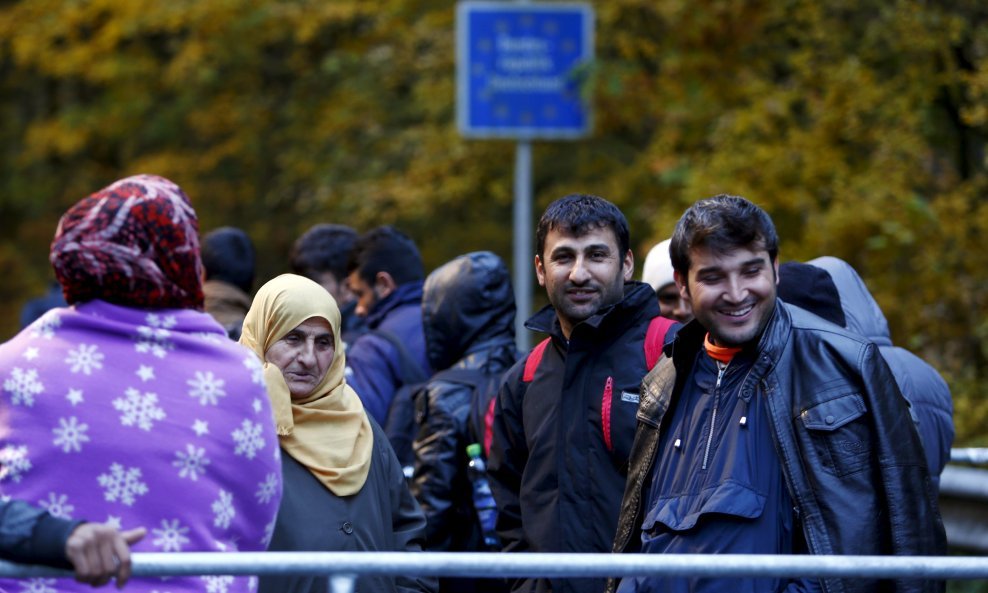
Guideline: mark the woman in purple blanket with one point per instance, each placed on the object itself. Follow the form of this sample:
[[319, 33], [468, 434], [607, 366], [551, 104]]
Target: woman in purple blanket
[[130, 406]]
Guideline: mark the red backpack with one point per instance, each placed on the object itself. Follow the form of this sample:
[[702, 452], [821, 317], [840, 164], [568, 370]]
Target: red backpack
[[655, 337]]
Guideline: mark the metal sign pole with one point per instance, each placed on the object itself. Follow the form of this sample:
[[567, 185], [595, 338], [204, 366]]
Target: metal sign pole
[[523, 253]]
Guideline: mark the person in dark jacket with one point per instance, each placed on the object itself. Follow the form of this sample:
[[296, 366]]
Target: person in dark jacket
[[385, 274], [321, 254], [562, 439], [769, 430], [468, 313], [228, 264], [97, 552], [832, 289], [343, 487]]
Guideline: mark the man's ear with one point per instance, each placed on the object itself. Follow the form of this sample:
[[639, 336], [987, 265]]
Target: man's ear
[[629, 265], [540, 271], [384, 284], [683, 286]]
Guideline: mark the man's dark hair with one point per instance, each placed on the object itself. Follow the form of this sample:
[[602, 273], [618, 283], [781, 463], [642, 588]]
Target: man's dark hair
[[722, 223], [323, 248], [386, 249], [578, 214], [228, 256]]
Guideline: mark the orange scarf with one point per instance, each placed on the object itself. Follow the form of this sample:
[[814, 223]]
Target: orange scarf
[[722, 354]]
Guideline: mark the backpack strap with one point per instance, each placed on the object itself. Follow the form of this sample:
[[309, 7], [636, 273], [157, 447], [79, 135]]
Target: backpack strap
[[489, 427], [655, 338], [533, 360]]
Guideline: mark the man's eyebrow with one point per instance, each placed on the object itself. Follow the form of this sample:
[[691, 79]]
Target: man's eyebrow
[[753, 261]]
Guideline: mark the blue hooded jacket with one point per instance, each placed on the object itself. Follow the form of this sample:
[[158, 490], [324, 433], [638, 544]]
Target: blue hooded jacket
[[374, 363]]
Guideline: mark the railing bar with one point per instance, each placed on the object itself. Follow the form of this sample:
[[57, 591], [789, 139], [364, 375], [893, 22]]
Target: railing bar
[[479, 565], [969, 455]]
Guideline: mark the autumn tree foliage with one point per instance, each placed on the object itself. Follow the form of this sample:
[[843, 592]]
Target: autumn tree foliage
[[859, 124]]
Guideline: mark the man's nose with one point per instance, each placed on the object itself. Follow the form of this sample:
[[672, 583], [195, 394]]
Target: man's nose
[[736, 290], [579, 274]]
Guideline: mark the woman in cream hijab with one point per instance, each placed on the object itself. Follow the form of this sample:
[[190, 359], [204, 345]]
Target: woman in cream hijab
[[343, 486]]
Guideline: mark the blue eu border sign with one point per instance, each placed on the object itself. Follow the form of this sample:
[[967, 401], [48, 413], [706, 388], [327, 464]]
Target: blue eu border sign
[[519, 67]]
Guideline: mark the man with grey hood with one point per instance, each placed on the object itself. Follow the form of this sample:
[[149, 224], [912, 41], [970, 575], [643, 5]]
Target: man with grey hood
[[830, 288]]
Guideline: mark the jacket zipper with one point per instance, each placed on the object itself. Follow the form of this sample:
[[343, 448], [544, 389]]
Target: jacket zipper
[[713, 417]]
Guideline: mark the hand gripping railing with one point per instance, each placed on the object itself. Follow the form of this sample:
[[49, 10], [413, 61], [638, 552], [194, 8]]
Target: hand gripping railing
[[343, 567]]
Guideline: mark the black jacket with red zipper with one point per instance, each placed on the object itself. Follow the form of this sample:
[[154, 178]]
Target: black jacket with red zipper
[[558, 459]]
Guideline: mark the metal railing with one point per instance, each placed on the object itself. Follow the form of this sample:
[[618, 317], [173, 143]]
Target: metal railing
[[975, 455], [342, 568]]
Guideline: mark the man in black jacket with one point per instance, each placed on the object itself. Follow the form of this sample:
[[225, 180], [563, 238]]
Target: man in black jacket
[[468, 314], [769, 430], [565, 416]]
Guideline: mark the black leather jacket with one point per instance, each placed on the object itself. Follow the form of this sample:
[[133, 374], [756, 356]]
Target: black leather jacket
[[852, 459], [468, 315]]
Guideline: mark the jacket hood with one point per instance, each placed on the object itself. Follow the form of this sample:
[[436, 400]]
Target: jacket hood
[[467, 304], [861, 311]]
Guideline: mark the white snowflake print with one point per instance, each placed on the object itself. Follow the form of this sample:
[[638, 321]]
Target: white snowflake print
[[256, 404], [70, 434], [154, 338], [166, 322], [14, 462], [23, 386], [248, 439], [223, 511], [253, 364], [123, 484], [139, 409], [31, 353], [207, 388], [191, 463], [200, 427], [74, 396], [252, 583], [39, 586], [85, 359], [212, 338], [268, 533], [58, 505], [46, 326], [146, 373], [171, 536], [114, 522], [217, 583], [267, 489]]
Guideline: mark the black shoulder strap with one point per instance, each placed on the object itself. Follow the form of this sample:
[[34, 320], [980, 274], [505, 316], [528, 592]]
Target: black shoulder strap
[[410, 370]]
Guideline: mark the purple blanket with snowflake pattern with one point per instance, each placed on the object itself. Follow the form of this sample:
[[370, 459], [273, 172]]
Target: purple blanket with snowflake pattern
[[140, 418]]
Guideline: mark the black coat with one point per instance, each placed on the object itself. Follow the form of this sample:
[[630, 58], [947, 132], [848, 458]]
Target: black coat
[[850, 454], [468, 314], [382, 516], [559, 457]]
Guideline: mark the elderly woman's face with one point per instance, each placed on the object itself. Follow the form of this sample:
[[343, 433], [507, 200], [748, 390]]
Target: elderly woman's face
[[304, 356]]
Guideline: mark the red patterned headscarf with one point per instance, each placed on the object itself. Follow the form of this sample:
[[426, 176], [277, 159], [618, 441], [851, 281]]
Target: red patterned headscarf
[[133, 243]]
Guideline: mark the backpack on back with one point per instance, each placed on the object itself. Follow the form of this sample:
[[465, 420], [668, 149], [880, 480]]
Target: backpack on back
[[400, 424]]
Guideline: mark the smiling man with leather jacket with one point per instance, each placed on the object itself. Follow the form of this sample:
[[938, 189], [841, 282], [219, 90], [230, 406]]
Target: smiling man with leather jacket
[[768, 430]]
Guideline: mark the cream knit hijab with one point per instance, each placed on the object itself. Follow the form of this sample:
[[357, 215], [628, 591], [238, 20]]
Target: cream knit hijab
[[328, 432]]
